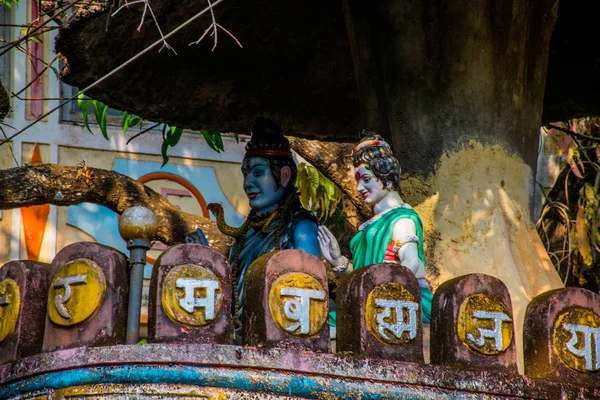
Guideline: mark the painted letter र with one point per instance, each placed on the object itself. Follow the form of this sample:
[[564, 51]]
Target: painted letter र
[[61, 299]]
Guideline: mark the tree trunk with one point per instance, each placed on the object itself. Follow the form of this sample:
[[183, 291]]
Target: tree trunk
[[457, 87], [64, 186]]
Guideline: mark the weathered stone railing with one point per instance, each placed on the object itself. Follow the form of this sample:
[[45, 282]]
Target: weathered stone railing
[[62, 332]]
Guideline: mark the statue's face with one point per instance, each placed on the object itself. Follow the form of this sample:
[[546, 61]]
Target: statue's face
[[260, 186], [369, 186]]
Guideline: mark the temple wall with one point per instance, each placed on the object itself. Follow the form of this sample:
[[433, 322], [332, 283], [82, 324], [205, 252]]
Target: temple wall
[[195, 173]]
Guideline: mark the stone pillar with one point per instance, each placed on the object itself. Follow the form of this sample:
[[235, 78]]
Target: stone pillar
[[379, 313], [87, 298], [472, 324], [190, 296], [562, 336], [285, 302], [23, 288]]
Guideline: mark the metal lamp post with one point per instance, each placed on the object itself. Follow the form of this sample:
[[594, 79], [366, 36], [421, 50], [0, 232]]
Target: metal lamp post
[[138, 226]]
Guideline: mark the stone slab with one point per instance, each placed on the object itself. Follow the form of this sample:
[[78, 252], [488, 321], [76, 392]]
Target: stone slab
[[183, 314], [285, 302], [93, 310], [31, 277], [379, 313], [561, 336], [472, 324]]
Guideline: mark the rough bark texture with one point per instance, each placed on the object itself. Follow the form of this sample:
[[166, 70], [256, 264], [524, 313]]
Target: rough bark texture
[[429, 94], [4, 101], [64, 186], [296, 65]]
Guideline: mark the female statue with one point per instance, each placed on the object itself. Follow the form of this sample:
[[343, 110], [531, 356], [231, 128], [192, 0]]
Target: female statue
[[395, 233]]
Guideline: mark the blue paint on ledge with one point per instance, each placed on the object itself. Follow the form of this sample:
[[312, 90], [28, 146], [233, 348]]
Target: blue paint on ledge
[[248, 380]]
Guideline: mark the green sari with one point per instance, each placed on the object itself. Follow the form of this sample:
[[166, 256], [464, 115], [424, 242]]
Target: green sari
[[369, 245]]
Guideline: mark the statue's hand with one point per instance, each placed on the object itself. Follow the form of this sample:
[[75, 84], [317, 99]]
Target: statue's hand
[[329, 246], [196, 237]]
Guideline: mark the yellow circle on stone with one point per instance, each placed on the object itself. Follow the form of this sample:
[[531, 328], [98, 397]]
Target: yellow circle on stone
[[10, 303], [583, 317], [174, 298], [286, 304], [76, 292], [389, 291], [470, 327]]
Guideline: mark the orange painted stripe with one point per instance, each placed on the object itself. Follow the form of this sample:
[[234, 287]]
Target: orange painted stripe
[[35, 219]]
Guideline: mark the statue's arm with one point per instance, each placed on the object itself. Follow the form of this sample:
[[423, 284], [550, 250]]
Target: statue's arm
[[305, 237], [407, 250]]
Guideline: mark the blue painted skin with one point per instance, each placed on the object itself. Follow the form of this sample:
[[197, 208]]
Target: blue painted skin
[[265, 194]]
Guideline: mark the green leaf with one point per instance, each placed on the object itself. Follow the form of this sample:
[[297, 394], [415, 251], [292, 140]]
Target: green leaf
[[305, 199], [163, 151], [219, 141], [126, 123], [81, 99], [100, 110], [129, 120], [313, 176], [213, 139], [174, 136], [33, 38], [135, 121], [84, 103], [329, 188], [36, 39]]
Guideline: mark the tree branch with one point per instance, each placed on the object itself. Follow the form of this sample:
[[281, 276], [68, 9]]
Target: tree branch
[[333, 160], [65, 185]]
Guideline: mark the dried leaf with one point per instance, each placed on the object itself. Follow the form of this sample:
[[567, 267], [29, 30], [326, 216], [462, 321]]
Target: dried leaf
[[583, 239], [573, 161], [565, 142], [590, 193]]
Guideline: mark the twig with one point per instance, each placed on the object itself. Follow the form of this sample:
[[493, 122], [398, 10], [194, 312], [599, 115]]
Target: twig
[[215, 31], [48, 65], [147, 8], [126, 5], [142, 132], [570, 132], [38, 98], [165, 44], [9, 46], [585, 154]]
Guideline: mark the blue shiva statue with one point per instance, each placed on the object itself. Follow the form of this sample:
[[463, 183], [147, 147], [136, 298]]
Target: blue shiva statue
[[277, 220]]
